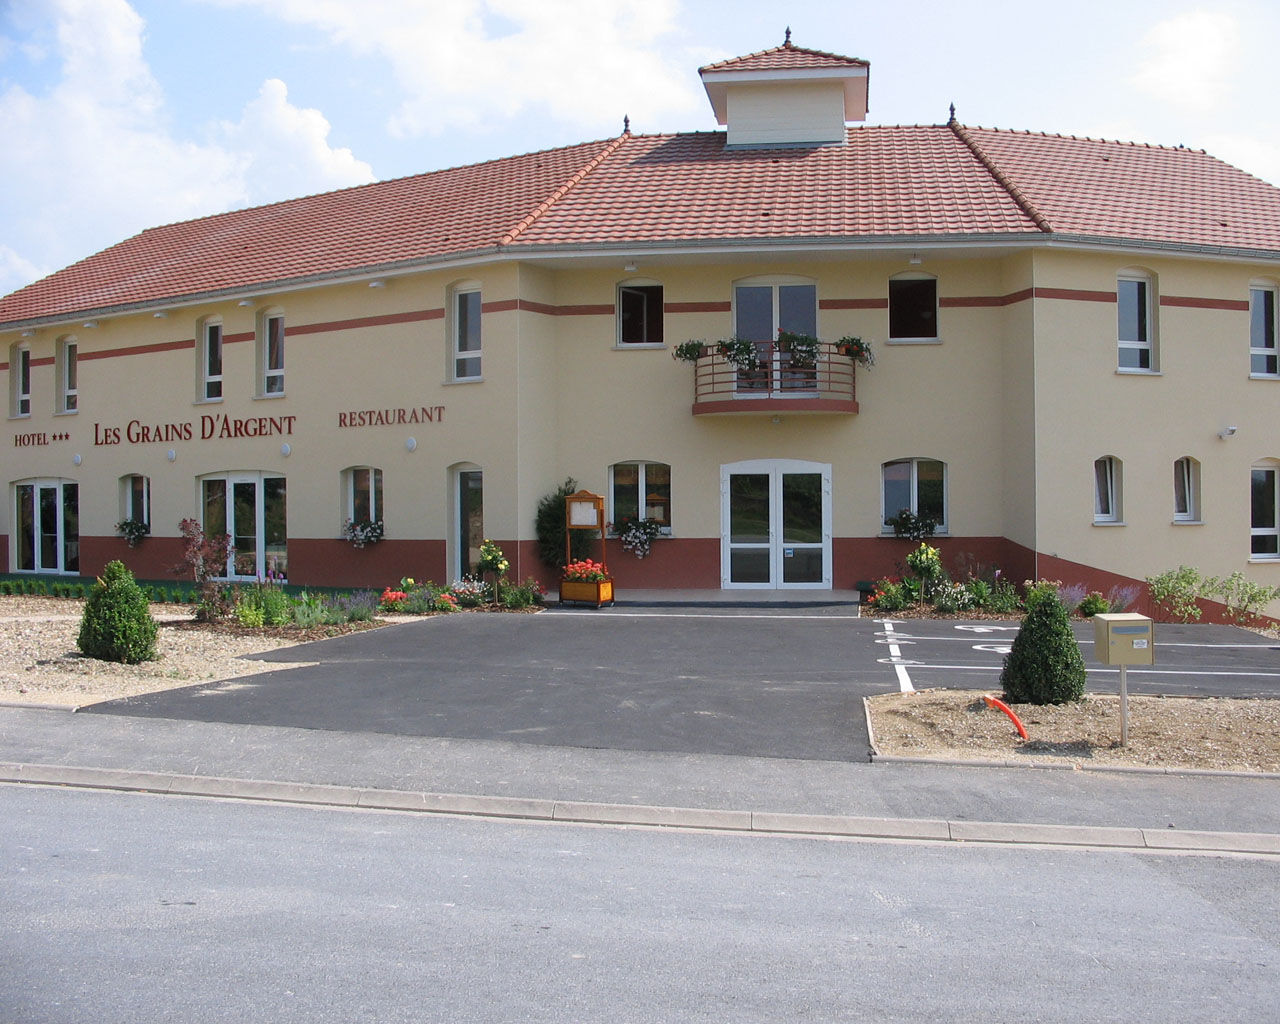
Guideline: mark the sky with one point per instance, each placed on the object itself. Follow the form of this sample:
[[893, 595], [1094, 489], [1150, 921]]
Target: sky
[[118, 115]]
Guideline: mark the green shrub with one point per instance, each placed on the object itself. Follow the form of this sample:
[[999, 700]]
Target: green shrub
[[1045, 665], [926, 563], [1174, 593], [550, 528], [117, 624], [1093, 604], [890, 596], [522, 595], [6, 587], [1244, 598], [249, 614]]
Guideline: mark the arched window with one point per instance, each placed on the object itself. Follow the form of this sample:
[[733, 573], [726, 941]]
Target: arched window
[[135, 498], [640, 490], [66, 357], [1107, 490], [1186, 490], [1264, 358], [1264, 518], [463, 326], [209, 360], [46, 531], [362, 494], [19, 380], [270, 353], [917, 486]]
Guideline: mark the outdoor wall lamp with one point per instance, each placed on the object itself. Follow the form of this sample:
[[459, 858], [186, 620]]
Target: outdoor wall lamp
[[1227, 432]]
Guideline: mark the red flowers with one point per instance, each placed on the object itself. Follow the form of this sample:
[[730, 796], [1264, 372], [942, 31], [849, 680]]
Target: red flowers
[[587, 571]]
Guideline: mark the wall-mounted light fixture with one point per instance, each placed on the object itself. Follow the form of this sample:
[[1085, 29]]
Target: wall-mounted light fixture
[[1227, 432], [630, 268], [28, 334], [161, 315], [90, 323], [286, 449], [76, 459], [245, 302], [916, 259], [411, 445], [379, 283], [171, 455]]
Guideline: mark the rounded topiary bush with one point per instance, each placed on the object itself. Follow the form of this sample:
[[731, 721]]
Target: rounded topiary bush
[[117, 623], [1045, 665]]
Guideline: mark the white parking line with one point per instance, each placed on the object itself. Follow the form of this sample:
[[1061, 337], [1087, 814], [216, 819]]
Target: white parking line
[[896, 660]]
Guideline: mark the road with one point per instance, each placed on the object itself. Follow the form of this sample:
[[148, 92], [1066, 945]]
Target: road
[[122, 907]]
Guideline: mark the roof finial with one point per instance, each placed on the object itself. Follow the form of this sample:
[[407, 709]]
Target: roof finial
[[626, 124], [952, 118], [787, 41]]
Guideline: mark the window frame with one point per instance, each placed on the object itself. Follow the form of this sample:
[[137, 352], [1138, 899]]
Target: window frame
[[458, 294], [652, 295], [129, 497], [1108, 481], [374, 485], [271, 370], [943, 527], [66, 536], [267, 562], [1186, 473], [67, 360], [1148, 324], [207, 379], [20, 381], [1269, 323], [642, 496], [774, 282], [1272, 529], [912, 277]]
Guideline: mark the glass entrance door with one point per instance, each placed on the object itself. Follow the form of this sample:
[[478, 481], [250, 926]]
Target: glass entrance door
[[776, 524], [250, 510]]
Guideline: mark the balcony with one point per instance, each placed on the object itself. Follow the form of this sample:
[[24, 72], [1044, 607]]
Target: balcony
[[776, 385]]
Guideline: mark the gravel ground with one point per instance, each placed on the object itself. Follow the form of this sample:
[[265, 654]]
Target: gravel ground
[[1164, 732], [40, 663]]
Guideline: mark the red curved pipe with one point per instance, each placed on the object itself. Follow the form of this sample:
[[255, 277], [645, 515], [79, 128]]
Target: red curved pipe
[[993, 702]]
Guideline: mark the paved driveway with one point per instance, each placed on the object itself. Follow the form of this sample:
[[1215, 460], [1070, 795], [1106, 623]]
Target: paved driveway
[[763, 682]]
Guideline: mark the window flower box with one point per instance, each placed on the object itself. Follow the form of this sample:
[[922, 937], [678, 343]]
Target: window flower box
[[596, 592]]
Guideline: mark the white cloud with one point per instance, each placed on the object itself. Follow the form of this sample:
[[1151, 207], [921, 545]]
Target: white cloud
[[1190, 60], [93, 159], [16, 270], [468, 63]]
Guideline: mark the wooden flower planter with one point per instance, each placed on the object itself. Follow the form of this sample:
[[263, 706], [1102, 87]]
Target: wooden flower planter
[[596, 592]]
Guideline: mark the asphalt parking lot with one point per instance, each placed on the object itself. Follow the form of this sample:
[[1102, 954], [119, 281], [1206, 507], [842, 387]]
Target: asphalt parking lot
[[759, 682]]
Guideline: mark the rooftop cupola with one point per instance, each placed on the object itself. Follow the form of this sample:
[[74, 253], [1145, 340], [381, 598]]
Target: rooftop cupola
[[787, 96]]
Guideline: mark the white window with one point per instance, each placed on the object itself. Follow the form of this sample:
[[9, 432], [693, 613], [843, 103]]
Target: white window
[[640, 490], [640, 313], [1264, 513], [1186, 490], [762, 307], [1106, 490], [46, 533], [1263, 361], [20, 381], [270, 354], [913, 307], [917, 486], [364, 495], [68, 392], [1135, 322], [135, 498], [211, 361], [465, 333], [249, 509]]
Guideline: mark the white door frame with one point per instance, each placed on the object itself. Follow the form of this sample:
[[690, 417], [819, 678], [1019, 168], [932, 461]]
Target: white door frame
[[776, 469]]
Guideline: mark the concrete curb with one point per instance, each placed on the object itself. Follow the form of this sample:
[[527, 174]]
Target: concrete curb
[[1075, 766], [755, 822]]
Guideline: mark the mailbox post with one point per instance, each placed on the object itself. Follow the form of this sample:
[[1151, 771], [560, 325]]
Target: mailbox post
[[1124, 639]]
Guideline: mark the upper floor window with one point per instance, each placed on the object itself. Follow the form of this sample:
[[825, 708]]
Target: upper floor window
[[20, 381], [639, 314], [640, 490], [1106, 490], [1264, 513], [1186, 490], [1263, 361], [465, 331], [68, 391], [761, 308], [270, 354], [917, 486], [211, 361], [1135, 322], [913, 307]]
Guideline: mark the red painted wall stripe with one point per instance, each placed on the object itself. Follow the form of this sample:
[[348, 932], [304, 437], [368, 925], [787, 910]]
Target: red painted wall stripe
[[853, 303], [1190, 302], [696, 307], [359, 323], [140, 350], [1076, 294]]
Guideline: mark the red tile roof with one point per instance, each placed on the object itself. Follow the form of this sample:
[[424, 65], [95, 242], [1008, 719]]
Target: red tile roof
[[785, 58], [888, 182]]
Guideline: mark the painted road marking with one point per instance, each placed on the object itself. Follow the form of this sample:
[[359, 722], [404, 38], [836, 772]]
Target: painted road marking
[[897, 661], [994, 648]]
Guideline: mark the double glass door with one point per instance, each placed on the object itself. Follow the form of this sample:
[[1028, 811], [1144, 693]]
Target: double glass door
[[251, 510], [776, 524]]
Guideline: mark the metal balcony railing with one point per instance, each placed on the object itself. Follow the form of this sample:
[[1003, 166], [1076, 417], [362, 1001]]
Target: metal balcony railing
[[777, 383]]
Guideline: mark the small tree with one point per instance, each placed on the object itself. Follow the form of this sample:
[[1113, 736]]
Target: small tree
[[549, 525], [1045, 665], [117, 623], [204, 558]]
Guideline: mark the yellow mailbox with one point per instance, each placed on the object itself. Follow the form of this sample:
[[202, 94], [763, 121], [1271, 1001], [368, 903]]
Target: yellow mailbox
[[1124, 639]]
